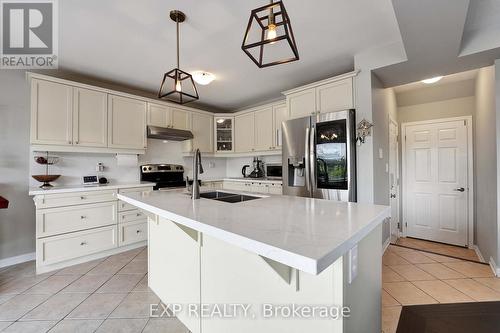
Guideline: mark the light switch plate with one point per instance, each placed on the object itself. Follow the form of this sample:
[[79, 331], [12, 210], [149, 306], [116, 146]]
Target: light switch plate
[[380, 153], [353, 264]]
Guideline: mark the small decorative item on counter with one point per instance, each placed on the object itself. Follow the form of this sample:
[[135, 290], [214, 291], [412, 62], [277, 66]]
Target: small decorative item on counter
[[46, 160]]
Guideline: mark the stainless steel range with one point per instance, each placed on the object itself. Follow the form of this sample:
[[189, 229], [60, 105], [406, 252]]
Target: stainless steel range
[[164, 175]]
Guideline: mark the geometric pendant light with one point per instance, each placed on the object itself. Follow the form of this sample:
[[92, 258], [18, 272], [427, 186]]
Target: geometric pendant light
[[269, 38], [178, 86]]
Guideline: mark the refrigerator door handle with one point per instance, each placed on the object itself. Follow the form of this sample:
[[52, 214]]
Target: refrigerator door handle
[[312, 159], [306, 161]]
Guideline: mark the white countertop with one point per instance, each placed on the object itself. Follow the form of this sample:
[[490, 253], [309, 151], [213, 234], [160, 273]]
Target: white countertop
[[81, 188], [247, 179], [304, 233]]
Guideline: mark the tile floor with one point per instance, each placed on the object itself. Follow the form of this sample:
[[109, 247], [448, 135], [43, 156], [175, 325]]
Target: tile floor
[[449, 250], [105, 295], [411, 277]]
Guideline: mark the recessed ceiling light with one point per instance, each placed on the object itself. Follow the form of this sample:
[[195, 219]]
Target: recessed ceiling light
[[432, 80], [203, 78]]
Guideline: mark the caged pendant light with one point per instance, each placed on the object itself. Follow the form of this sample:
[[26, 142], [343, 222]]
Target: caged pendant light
[[269, 38], [178, 86]]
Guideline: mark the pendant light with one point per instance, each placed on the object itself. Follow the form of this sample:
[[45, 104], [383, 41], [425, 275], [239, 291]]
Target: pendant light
[[178, 86], [269, 37]]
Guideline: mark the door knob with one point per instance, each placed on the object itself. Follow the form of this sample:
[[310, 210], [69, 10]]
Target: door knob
[[460, 189], [393, 196]]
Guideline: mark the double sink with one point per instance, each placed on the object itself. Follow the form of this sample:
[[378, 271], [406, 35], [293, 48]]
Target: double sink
[[227, 197]]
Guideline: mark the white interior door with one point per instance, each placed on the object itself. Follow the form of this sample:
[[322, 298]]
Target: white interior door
[[436, 182], [394, 178]]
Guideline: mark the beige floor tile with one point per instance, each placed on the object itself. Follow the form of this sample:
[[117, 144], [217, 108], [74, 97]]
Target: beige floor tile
[[440, 271], [165, 325], [122, 326], [97, 306], [390, 318], [391, 259], [120, 283], [440, 258], [129, 255], [389, 275], [56, 307], [5, 298], [412, 273], [80, 269], [21, 270], [442, 292], [388, 300], [470, 269], [135, 305], [30, 327], [142, 285], [415, 257], [474, 289], [143, 255], [135, 267], [407, 294], [19, 305], [76, 326], [87, 284], [18, 285], [107, 267], [52, 284], [493, 283]]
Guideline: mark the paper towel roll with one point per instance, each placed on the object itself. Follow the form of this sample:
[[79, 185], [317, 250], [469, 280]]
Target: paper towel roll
[[127, 160]]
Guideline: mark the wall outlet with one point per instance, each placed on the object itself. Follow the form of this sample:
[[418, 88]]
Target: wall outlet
[[380, 153], [353, 264], [211, 165]]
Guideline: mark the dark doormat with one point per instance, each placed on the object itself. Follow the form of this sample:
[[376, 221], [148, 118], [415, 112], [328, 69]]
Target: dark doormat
[[479, 317]]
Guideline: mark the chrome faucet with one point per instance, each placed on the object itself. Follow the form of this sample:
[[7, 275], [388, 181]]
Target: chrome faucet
[[197, 169]]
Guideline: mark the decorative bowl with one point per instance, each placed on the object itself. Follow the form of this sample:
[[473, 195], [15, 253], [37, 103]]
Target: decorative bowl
[[45, 179], [50, 160]]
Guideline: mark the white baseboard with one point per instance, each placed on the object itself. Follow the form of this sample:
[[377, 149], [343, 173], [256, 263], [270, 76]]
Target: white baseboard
[[478, 253], [17, 259], [494, 267]]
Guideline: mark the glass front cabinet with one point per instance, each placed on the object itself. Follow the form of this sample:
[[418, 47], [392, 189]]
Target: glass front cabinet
[[224, 134]]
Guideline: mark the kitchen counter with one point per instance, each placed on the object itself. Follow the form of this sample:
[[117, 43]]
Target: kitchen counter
[[241, 179], [303, 233], [81, 188]]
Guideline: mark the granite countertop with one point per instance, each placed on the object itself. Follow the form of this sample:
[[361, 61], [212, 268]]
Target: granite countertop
[[82, 188], [304, 233]]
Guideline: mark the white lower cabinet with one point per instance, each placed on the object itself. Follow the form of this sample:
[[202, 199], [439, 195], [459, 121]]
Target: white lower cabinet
[[51, 250], [174, 267], [253, 186], [132, 232], [75, 227]]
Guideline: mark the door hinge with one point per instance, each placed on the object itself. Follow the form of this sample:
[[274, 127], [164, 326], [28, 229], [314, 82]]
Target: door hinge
[[399, 226]]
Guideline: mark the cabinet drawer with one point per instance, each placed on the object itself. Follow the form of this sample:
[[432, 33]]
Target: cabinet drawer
[[55, 249], [132, 232], [123, 206], [275, 188], [60, 220], [76, 198], [131, 215]]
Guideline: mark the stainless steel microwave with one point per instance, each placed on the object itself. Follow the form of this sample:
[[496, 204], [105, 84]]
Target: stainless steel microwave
[[274, 170]]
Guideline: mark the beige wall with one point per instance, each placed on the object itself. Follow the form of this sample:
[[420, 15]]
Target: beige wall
[[486, 165], [456, 107], [17, 223]]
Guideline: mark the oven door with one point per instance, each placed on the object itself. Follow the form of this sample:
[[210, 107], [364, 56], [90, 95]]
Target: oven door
[[333, 153]]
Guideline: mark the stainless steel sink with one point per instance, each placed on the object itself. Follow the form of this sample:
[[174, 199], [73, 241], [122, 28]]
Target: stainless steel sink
[[227, 197]]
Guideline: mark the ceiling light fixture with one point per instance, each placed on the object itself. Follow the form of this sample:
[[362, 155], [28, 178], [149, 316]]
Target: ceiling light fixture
[[432, 80], [178, 86], [203, 78], [271, 24]]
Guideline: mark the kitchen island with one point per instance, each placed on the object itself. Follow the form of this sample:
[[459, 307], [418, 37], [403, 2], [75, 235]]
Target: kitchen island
[[246, 266]]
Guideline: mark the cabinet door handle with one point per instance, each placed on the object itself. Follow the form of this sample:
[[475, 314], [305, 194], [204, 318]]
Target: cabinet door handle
[[460, 189], [76, 142], [82, 198], [83, 217], [83, 243], [139, 214], [138, 231], [69, 142]]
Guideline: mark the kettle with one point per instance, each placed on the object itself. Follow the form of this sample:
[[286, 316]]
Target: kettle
[[244, 170]]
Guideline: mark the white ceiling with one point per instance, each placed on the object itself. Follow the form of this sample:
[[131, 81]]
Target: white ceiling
[[133, 43], [457, 77]]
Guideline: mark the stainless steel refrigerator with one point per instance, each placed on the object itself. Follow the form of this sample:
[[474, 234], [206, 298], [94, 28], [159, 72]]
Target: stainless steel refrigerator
[[319, 156]]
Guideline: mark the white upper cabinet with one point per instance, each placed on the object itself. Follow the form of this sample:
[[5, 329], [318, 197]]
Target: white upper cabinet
[[244, 132], [280, 113], [180, 119], [202, 128], [335, 96], [90, 118], [166, 116], [126, 123], [158, 115], [264, 129], [302, 103], [51, 113]]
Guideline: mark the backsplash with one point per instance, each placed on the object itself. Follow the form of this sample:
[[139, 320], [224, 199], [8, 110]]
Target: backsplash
[[234, 165]]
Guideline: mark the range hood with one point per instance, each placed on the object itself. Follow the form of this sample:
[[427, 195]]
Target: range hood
[[165, 133]]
